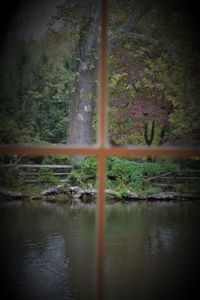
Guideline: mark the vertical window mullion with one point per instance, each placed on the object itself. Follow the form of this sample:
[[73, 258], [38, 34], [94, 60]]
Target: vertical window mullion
[[100, 225], [101, 140], [102, 96]]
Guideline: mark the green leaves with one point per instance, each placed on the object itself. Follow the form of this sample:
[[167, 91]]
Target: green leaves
[[155, 63], [85, 173], [124, 172]]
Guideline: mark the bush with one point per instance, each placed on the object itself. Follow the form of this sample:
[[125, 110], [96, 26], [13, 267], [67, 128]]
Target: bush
[[76, 178], [46, 176], [9, 178], [84, 173], [123, 172], [89, 167], [154, 169], [58, 160]]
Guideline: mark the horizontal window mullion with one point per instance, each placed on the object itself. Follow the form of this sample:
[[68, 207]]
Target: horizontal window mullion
[[100, 151]]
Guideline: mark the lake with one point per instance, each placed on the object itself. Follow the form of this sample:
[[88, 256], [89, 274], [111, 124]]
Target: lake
[[152, 251]]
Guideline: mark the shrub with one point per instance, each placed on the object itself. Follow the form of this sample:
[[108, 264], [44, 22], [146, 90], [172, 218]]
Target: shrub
[[76, 178], [85, 173], [58, 160], [9, 178], [124, 172], [89, 167], [46, 176], [154, 169]]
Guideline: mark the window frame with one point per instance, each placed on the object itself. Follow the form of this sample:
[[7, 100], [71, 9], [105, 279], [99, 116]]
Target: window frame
[[101, 150]]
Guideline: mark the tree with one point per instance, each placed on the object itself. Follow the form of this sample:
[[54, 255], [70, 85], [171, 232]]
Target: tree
[[153, 80], [34, 101], [49, 86], [84, 18]]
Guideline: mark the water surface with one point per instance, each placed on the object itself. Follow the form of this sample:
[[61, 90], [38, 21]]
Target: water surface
[[48, 251]]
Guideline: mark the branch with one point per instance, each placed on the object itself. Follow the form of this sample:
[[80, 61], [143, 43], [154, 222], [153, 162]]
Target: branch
[[131, 23], [158, 176]]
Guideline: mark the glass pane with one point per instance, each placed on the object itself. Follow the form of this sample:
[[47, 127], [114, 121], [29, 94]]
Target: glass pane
[[49, 74], [47, 221], [152, 250], [138, 179], [153, 74], [152, 228], [32, 175]]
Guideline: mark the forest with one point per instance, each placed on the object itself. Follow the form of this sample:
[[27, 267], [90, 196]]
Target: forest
[[49, 83]]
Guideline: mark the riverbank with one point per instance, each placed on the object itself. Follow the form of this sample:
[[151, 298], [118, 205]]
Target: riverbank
[[75, 194], [127, 180]]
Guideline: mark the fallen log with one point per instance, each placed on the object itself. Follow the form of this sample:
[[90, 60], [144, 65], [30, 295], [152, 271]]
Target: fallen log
[[158, 176]]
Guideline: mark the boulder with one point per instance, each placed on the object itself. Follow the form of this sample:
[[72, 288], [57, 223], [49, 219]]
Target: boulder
[[165, 196], [88, 195], [111, 194], [11, 195], [132, 196], [53, 191], [76, 190]]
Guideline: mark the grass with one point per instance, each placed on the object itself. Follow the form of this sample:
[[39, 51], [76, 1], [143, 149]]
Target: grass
[[123, 175]]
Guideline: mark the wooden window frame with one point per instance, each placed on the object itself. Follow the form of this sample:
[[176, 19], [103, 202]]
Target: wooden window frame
[[101, 150]]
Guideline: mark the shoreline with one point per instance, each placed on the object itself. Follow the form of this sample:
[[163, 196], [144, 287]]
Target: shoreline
[[75, 194]]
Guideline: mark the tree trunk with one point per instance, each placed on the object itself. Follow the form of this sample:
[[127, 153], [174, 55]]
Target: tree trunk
[[83, 104], [162, 135], [148, 139]]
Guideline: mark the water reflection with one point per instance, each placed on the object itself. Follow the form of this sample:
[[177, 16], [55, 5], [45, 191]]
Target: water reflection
[[151, 249], [43, 269], [158, 239], [48, 251]]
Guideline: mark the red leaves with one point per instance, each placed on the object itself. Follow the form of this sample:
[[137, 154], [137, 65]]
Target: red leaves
[[150, 111]]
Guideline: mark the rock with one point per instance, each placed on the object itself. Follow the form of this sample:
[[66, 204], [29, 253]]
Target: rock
[[13, 195], [62, 193], [76, 190], [89, 196], [165, 196], [111, 195], [91, 192], [53, 191], [132, 196]]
